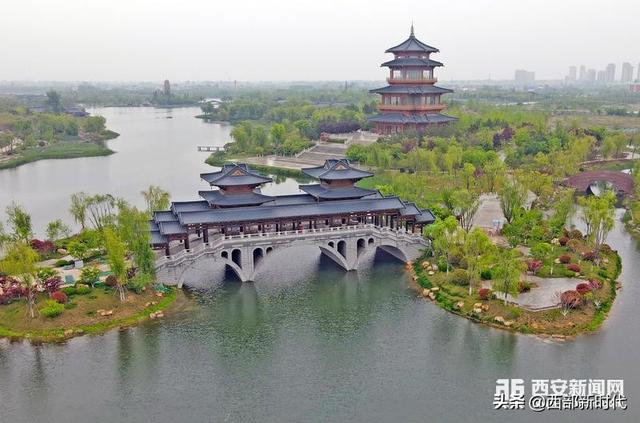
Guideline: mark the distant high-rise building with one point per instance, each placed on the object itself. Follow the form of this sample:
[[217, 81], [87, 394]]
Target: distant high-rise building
[[573, 73], [524, 78], [602, 76], [610, 73], [638, 77], [583, 73], [627, 72], [167, 88], [591, 75]]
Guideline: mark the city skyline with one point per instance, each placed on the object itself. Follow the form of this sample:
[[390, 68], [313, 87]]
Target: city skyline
[[147, 41]]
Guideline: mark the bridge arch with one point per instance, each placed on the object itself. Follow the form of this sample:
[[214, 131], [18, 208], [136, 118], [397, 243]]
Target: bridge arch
[[342, 248], [622, 182], [224, 254], [394, 251], [236, 256], [258, 257], [360, 246]]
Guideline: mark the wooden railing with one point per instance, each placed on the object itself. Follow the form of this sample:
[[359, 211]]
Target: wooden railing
[[432, 80]]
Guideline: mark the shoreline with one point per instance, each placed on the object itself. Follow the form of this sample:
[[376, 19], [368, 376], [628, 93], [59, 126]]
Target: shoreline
[[171, 302], [63, 151]]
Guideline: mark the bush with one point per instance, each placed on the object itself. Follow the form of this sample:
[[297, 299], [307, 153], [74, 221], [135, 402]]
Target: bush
[[442, 265], [69, 290], [524, 286], [575, 234], [52, 309], [42, 247], [459, 277], [59, 296], [139, 282], [89, 275], [45, 273], [595, 284], [484, 293], [534, 265], [574, 245], [82, 289], [52, 284], [565, 258], [563, 241], [589, 255], [111, 281], [486, 275], [61, 263], [573, 267], [583, 288], [570, 299]]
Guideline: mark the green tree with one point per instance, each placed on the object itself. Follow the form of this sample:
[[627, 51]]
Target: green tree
[[54, 101], [513, 197], [598, 215], [20, 222], [465, 206], [133, 229], [116, 251], [156, 199], [468, 173], [446, 237], [78, 208], [507, 272], [494, 173], [477, 246], [20, 261], [57, 229], [278, 132], [544, 252]]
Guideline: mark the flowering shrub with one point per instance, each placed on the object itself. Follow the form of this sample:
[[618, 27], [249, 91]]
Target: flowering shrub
[[595, 284], [534, 265], [565, 258], [42, 246], [484, 293], [563, 241], [59, 296], [573, 267], [52, 284], [583, 288], [10, 289], [570, 299]]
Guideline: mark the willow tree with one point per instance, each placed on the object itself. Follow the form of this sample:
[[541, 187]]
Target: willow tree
[[507, 272], [446, 238], [598, 216], [116, 251], [78, 208], [20, 262], [513, 197], [465, 206], [156, 198], [133, 229], [477, 248], [20, 223]]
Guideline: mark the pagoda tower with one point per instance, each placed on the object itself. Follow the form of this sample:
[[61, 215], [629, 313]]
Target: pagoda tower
[[411, 100]]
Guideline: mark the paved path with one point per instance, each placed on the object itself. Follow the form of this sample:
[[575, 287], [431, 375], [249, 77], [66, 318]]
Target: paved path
[[544, 295]]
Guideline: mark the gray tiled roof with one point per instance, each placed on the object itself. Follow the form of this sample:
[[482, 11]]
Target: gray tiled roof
[[336, 169], [280, 200], [164, 216], [324, 192], [425, 216], [218, 198], [183, 206], [411, 89], [412, 44], [234, 174], [157, 238], [412, 118], [173, 228], [411, 61], [257, 213]]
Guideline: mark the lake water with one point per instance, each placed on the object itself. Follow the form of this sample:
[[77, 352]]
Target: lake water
[[305, 342]]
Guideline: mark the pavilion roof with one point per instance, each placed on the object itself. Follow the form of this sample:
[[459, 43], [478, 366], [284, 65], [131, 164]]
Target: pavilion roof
[[411, 89], [183, 206], [412, 44], [219, 198], [235, 174], [265, 213], [336, 169], [411, 61], [426, 118], [329, 193]]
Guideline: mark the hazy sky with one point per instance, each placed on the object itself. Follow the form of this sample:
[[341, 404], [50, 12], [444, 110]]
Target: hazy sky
[[127, 40]]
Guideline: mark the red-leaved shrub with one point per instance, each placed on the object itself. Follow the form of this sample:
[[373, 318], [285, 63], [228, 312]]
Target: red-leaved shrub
[[583, 288], [42, 246], [59, 296], [563, 241], [571, 299], [111, 281], [52, 284], [595, 284], [534, 265], [565, 258], [484, 293], [589, 255], [573, 267]]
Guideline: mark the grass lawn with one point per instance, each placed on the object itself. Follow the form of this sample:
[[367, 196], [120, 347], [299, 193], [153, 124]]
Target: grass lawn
[[61, 150], [81, 314]]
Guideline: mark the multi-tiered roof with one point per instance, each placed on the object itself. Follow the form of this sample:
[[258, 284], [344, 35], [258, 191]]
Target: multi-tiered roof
[[411, 100], [238, 205]]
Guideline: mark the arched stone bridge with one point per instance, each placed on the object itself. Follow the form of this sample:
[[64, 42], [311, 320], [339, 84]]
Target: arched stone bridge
[[244, 254], [622, 182]]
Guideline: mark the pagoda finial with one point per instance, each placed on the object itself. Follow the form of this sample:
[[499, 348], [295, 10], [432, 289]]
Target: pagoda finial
[[412, 29]]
